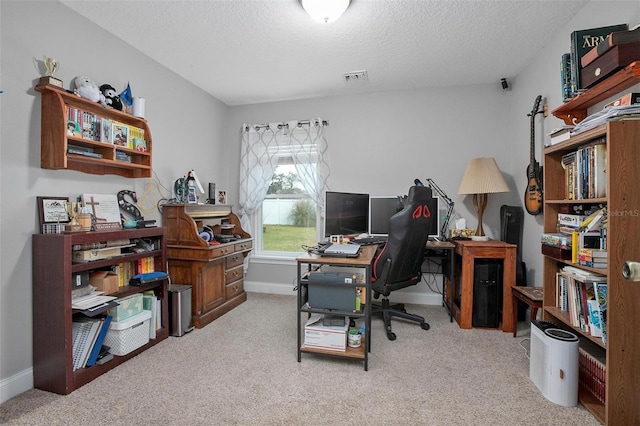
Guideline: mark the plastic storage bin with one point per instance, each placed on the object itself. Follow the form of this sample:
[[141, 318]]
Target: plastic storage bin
[[128, 307], [128, 335]]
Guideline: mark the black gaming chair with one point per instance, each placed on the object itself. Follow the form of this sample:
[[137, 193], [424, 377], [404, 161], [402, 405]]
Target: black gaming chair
[[398, 264]]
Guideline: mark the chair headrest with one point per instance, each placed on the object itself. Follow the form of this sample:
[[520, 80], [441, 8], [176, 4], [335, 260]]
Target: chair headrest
[[419, 194]]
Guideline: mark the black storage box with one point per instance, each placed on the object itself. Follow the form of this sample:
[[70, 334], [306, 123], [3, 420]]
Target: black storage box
[[332, 290]]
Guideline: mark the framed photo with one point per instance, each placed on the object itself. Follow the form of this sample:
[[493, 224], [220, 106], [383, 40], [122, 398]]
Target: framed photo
[[222, 197], [53, 214]]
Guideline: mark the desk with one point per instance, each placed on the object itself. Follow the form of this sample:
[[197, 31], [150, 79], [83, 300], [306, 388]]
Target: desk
[[466, 254], [443, 250], [364, 260]]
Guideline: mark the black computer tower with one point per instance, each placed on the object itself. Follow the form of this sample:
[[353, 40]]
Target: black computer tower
[[487, 293]]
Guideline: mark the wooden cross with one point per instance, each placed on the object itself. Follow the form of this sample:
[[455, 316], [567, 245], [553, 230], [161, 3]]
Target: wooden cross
[[93, 205]]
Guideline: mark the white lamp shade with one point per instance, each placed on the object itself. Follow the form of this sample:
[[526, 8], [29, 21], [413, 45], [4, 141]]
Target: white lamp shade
[[482, 176], [325, 11]]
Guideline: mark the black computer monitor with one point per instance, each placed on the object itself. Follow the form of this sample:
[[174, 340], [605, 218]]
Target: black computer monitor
[[381, 208], [346, 213]]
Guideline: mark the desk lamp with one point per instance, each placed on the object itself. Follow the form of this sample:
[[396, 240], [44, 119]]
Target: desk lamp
[[482, 177]]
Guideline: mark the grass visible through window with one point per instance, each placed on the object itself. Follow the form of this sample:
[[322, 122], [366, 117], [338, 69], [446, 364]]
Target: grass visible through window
[[287, 238]]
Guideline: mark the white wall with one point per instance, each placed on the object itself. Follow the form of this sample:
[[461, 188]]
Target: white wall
[[379, 143], [186, 125]]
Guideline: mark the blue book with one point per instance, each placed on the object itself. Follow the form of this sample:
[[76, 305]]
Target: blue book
[[95, 351]]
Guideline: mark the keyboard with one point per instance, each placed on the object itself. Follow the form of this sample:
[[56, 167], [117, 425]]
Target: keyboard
[[367, 241]]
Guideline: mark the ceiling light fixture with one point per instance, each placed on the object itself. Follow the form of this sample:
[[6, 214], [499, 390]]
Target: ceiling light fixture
[[325, 11]]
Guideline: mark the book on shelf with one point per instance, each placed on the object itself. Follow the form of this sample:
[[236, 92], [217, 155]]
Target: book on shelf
[[576, 295], [97, 346], [120, 134], [90, 126], [556, 239], [581, 274], [592, 370], [136, 139], [565, 77], [600, 288], [106, 129], [593, 253], [571, 219], [631, 98], [85, 332], [586, 171], [581, 42], [612, 39], [593, 258], [559, 134], [595, 220]]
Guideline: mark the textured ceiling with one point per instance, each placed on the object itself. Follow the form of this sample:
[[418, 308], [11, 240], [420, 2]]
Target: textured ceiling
[[246, 52]]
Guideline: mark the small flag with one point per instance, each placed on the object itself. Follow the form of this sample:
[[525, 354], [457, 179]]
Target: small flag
[[126, 96]]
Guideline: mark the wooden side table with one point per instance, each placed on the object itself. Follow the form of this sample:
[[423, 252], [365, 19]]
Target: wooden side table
[[532, 296], [466, 254]]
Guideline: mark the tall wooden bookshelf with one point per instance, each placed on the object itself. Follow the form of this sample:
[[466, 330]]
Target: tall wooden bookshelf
[[622, 350]]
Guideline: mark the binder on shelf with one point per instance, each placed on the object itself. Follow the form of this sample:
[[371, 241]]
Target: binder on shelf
[[95, 350], [84, 332]]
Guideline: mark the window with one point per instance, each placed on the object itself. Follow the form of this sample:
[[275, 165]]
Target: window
[[283, 175], [288, 214]]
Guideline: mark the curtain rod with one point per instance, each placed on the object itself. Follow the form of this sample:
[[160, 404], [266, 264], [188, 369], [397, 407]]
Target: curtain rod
[[281, 125]]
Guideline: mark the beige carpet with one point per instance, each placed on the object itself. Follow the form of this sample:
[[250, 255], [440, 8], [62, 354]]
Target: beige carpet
[[242, 370]]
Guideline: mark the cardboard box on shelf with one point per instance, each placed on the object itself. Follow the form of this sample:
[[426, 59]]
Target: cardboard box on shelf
[[106, 281], [319, 336]]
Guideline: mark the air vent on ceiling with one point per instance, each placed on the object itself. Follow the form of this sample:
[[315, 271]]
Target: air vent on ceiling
[[352, 77]]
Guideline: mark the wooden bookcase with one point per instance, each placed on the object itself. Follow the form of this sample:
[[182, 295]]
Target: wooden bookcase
[[52, 312], [623, 229], [55, 141]]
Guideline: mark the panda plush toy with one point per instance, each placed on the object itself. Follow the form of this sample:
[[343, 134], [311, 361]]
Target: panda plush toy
[[112, 99]]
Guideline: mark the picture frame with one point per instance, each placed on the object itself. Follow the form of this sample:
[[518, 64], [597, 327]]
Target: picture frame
[[52, 213], [222, 197], [105, 210]]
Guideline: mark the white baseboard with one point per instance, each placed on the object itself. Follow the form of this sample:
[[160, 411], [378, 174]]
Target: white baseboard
[[16, 384], [407, 295]]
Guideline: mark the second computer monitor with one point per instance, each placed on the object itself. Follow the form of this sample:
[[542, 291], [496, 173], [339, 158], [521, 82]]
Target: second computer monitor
[[381, 208]]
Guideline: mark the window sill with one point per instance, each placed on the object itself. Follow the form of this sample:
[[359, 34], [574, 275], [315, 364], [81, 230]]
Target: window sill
[[287, 259]]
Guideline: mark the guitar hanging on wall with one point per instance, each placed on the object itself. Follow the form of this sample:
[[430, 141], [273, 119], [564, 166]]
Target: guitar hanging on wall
[[533, 194]]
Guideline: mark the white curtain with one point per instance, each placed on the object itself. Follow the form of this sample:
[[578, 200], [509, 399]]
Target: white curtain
[[264, 144]]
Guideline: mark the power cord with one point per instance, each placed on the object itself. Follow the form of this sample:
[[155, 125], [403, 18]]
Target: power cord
[[430, 277], [527, 350]]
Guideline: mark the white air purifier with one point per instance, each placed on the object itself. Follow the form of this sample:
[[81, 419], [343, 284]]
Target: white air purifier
[[553, 364]]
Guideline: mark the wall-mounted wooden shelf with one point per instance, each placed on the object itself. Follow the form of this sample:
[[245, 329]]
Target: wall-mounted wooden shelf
[[55, 141], [575, 110]]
